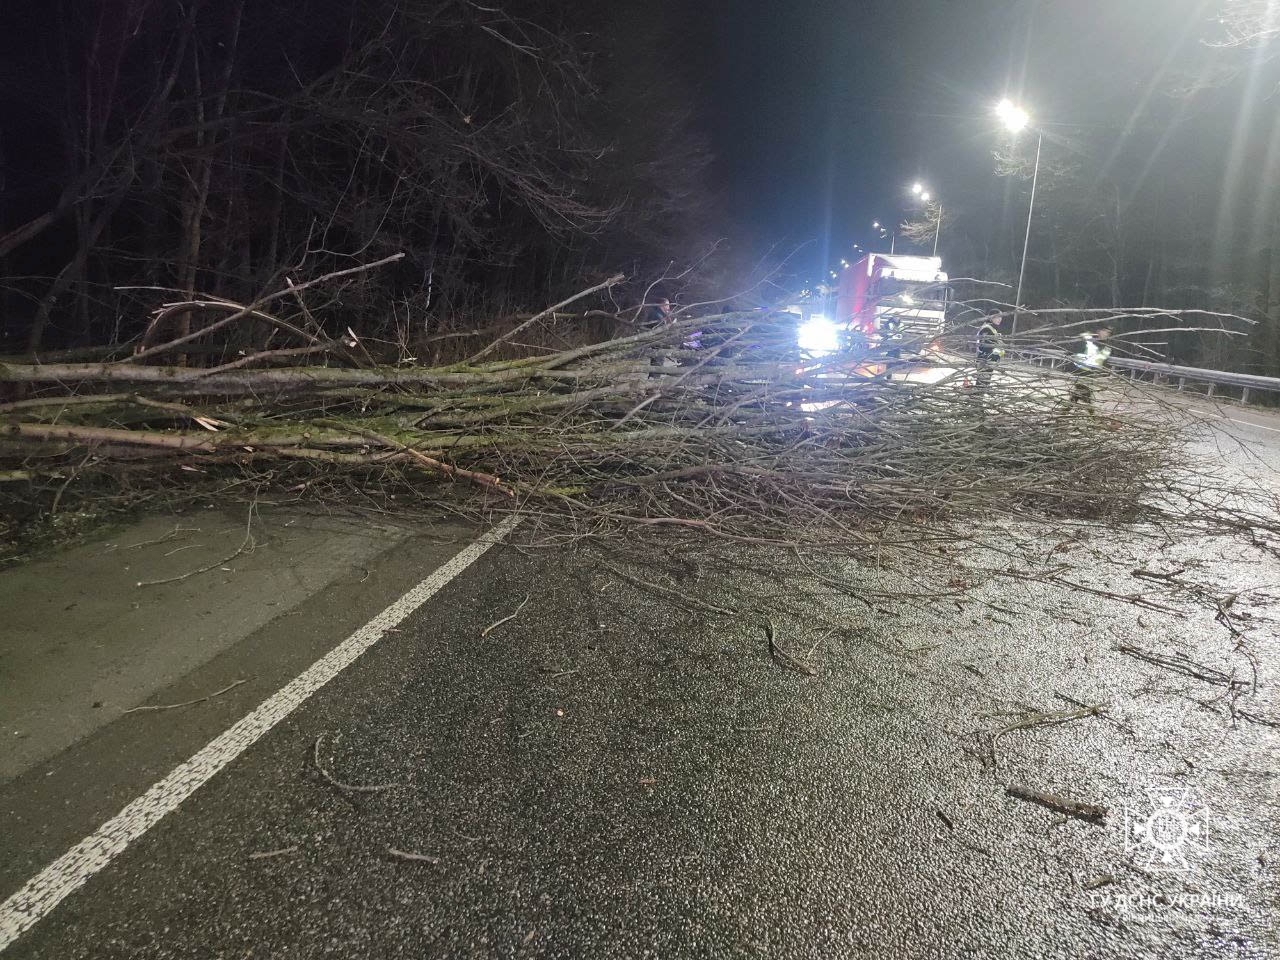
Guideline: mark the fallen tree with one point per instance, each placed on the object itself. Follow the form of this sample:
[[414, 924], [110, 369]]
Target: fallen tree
[[712, 423]]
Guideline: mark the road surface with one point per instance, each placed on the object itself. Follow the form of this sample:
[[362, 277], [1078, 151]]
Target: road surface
[[614, 772]]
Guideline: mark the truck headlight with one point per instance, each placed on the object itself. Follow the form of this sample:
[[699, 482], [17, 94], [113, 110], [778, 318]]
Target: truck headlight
[[818, 336]]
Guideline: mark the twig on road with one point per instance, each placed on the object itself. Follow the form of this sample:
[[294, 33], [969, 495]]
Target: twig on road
[[781, 657], [265, 854], [1122, 727], [1180, 664], [411, 857], [1170, 577], [668, 592], [1090, 812], [348, 787], [177, 529], [187, 703], [1050, 719], [1257, 718], [1035, 719], [497, 623], [248, 542]]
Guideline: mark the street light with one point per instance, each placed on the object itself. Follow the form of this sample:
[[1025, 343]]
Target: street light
[[1012, 116], [925, 197], [1015, 120], [884, 232]]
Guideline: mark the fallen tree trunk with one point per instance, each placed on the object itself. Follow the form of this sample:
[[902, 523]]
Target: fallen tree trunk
[[715, 423]]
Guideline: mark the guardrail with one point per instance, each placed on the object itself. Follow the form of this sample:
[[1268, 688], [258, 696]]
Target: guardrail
[[1169, 372]]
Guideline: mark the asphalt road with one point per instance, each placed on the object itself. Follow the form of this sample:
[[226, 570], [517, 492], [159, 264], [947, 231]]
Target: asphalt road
[[615, 772], [84, 639]]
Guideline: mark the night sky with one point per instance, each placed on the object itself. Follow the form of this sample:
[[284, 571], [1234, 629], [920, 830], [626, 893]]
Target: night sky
[[822, 111]]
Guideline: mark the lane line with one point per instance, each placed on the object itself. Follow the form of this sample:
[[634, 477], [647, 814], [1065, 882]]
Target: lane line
[[1223, 416], [43, 892]]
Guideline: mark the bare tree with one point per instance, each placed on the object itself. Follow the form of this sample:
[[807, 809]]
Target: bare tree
[[217, 149]]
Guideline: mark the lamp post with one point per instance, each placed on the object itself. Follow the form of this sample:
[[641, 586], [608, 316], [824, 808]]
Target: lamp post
[[884, 232], [919, 191], [1015, 120], [925, 197]]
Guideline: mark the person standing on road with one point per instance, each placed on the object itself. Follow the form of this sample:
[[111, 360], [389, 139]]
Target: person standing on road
[[990, 349], [1091, 363]]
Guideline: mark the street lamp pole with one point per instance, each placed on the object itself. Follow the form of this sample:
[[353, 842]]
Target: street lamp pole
[[918, 190], [1026, 241], [1015, 120]]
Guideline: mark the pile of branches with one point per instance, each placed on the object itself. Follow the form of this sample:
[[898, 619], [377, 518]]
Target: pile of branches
[[713, 421]]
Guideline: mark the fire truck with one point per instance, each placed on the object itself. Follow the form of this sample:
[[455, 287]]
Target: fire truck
[[889, 298]]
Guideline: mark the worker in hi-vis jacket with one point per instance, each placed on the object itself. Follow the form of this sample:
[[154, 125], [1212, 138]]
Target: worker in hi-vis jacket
[[1091, 363], [990, 349]]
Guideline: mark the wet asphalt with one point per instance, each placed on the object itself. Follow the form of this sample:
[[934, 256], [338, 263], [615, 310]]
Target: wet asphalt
[[616, 773]]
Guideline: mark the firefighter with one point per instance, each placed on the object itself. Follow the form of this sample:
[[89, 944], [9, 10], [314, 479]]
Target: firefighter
[[990, 349], [1091, 363], [891, 336]]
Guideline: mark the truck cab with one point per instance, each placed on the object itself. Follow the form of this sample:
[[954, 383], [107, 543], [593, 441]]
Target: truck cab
[[886, 297]]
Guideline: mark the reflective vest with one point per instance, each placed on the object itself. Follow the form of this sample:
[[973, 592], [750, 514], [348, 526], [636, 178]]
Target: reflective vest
[[1095, 354], [990, 343]]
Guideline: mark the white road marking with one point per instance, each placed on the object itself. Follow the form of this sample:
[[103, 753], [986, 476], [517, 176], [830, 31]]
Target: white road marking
[[1243, 423], [43, 892]]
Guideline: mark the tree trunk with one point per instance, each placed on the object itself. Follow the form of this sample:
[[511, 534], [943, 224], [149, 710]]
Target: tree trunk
[[72, 271], [1153, 256], [1057, 266], [197, 200], [1273, 295], [268, 267], [1117, 258]]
